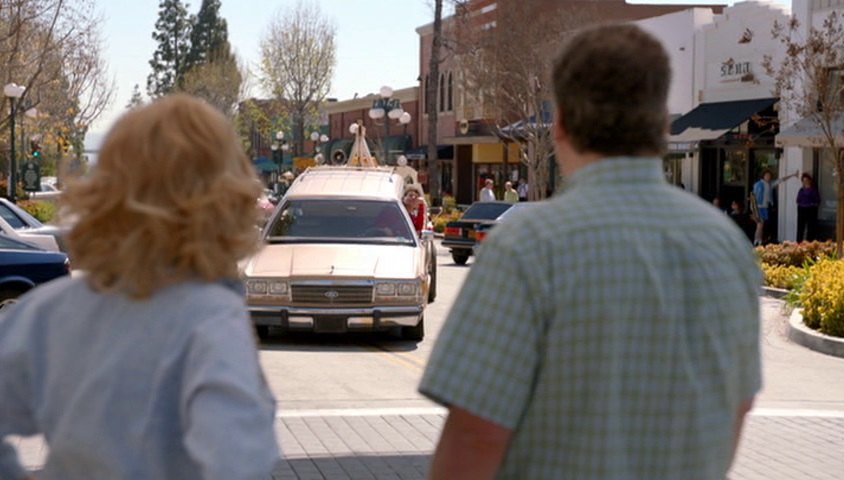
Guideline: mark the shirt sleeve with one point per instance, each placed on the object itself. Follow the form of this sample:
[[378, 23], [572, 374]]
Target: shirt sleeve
[[487, 355], [227, 407], [16, 413]]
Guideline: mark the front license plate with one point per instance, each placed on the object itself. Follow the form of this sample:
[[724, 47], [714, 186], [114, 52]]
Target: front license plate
[[330, 325]]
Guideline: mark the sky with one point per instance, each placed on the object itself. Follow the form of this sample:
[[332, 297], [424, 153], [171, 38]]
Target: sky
[[377, 43]]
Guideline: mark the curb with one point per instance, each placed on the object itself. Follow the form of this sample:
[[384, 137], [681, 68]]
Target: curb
[[772, 292], [800, 334]]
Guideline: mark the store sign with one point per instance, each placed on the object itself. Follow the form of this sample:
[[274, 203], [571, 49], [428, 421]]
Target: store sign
[[732, 71]]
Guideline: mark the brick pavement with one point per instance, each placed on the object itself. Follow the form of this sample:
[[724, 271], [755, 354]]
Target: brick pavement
[[780, 445]]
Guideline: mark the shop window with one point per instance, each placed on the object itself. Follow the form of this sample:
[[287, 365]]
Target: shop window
[[734, 168], [442, 92], [450, 92]]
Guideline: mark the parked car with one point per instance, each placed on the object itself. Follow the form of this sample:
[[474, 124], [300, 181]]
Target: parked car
[[24, 266], [342, 255], [461, 236], [46, 242], [48, 191], [20, 220]]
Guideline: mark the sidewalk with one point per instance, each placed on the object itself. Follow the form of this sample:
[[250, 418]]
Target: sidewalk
[[777, 445]]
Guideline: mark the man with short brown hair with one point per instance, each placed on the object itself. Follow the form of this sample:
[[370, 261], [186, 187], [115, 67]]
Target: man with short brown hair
[[622, 340]]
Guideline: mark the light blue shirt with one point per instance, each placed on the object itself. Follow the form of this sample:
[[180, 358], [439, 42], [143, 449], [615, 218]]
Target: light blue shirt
[[614, 329], [165, 388]]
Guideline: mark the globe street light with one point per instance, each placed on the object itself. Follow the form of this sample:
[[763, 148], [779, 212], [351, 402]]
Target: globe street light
[[14, 92], [318, 140], [390, 107]]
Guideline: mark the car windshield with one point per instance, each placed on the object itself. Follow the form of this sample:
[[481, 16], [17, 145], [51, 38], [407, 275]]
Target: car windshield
[[486, 210], [341, 221]]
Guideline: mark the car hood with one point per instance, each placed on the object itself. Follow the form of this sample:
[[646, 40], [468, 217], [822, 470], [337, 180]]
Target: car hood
[[334, 260]]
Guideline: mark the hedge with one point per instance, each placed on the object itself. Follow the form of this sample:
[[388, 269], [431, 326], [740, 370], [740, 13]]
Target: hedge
[[795, 254], [822, 297]]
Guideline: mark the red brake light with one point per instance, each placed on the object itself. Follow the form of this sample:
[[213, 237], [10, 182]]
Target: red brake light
[[452, 231], [480, 236]]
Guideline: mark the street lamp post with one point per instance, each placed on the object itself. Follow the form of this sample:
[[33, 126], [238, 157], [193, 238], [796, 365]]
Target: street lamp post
[[279, 147], [14, 92], [318, 140], [390, 107]]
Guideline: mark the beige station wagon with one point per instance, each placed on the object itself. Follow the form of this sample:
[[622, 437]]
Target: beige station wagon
[[341, 255]]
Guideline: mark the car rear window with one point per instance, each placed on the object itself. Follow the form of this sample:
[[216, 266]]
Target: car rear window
[[486, 210], [342, 221]]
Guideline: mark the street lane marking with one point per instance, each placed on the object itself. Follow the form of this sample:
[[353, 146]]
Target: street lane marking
[[360, 412], [402, 358], [796, 412]]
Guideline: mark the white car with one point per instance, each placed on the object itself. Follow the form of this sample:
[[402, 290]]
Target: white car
[[44, 241], [342, 255]]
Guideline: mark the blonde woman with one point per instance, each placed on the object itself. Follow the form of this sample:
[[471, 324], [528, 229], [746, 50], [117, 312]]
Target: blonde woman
[[146, 366]]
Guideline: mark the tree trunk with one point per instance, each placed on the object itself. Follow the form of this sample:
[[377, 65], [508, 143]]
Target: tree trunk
[[839, 207], [431, 95]]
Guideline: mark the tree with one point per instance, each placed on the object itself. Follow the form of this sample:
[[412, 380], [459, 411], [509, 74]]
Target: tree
[[53, 48], [218, 82], [208, 35], [431, 95], [172, 33], [506, 74], [298, 56], [137, 99], [808, 82]]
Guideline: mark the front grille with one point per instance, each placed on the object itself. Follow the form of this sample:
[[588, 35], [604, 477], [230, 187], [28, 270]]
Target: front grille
[[332, 294]]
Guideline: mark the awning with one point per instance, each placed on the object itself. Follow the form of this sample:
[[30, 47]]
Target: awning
[[807, 132], [264, 164], [421, 153], [709, 121]]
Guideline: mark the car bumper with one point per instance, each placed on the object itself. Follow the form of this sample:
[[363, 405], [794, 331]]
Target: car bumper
[[458, 244], [335, 320]]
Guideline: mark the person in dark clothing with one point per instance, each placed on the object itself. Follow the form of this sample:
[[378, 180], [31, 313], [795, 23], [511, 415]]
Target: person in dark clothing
[[808, 201], [742, 219]]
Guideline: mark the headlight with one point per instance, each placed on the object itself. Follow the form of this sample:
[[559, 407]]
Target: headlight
[[278, 288], [267, 287], [256, 287], [407, 289], [385, 289]]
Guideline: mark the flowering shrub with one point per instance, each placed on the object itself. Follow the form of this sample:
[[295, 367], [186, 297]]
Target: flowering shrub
[[783, 276], [822, 297], [43, 211], [440, 220], [795, 254]]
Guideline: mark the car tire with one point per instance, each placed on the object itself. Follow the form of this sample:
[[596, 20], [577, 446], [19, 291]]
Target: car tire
[[9, 296], [460, 258], [415, 333], [263, 331]]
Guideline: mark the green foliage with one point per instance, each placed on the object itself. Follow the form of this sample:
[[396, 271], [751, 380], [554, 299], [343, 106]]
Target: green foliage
[[822, 297], [42, 210], [795, 254], [209, 35], [172, 35]]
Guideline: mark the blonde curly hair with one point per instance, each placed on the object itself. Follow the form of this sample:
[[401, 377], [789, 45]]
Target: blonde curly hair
[[171, 198]]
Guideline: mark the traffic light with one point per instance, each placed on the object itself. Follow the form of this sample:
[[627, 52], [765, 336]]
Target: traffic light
[[35, 148]]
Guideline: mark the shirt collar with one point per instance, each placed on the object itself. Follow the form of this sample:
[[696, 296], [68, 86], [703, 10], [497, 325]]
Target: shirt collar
[[619, 171]]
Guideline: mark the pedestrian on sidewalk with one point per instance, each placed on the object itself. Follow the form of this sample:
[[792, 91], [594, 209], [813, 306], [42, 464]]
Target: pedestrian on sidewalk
[[808, 202], [145, 366], [487, 193], [510, 194], [626, 356]]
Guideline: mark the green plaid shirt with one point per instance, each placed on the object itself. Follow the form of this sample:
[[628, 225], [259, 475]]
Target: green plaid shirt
[[614, 328]]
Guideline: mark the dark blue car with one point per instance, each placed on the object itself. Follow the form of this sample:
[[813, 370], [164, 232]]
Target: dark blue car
[[24, 266]]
